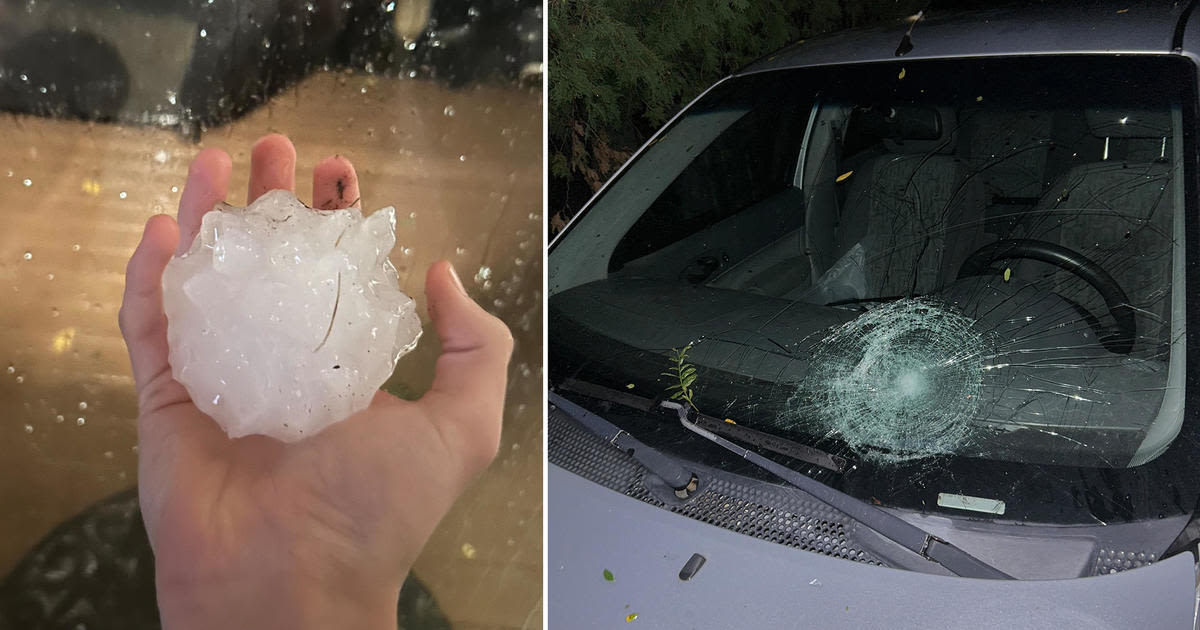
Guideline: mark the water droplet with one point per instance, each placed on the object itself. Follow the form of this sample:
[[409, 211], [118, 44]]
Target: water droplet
[[483, 274], [20, 378], [28, 182], [11, 369], [411, 46], [815, 582], [203, 33], [468, 551], [54, 311], [59, 418], [49, 276], [462, 158], [123, 194], [75, 247], [449, 110], [80, 421], [29, 428], [28, 256], [460, 251], [82, 405], [174, 189], [217, 399], [108, 454]]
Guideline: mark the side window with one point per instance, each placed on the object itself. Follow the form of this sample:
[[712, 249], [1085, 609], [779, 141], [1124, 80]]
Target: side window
[[752, 160]]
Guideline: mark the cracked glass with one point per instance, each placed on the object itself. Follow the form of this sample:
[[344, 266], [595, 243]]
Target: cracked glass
[[967, 277]]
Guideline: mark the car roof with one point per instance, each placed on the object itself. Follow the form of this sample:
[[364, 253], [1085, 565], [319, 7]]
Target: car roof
[[1016, 29]]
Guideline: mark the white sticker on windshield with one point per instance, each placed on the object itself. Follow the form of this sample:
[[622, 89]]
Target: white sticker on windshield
[[975, 504]]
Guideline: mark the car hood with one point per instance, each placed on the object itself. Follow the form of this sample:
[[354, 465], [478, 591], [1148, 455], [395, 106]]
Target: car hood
[[747, 582]]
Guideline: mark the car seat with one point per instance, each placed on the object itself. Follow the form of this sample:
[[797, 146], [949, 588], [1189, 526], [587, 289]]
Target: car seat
[[1118, 213]]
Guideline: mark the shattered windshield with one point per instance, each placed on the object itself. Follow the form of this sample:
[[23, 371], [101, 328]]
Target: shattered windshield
[[965, 276]]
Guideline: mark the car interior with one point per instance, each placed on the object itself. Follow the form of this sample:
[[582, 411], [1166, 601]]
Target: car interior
[[890, 201]]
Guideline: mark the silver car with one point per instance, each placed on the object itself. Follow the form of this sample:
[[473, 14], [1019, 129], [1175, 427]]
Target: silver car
[[891, 329]]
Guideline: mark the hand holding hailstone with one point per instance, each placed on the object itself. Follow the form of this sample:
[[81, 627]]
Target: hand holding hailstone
[[319, 532]]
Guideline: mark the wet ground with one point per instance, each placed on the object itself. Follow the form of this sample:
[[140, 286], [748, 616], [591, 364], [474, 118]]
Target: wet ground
[[463, 169]]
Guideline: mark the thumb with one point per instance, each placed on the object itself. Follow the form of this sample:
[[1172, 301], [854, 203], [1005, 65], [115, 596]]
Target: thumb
[[467, 398], [141, 316]]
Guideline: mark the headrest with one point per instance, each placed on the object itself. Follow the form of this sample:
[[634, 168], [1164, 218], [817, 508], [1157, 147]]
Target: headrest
[[1128, 123]]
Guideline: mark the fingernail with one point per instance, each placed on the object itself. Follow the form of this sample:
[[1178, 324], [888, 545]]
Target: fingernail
[[457, 282]]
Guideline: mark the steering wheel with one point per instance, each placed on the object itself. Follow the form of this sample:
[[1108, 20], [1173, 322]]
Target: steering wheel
[[1068, 260]]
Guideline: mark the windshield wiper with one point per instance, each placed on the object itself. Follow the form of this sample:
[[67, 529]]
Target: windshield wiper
[[773, 443], [883, 523]]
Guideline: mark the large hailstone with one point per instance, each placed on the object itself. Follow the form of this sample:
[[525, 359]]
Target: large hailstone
[[282, 319]]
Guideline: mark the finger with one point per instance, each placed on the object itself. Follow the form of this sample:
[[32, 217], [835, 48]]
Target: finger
[[335, 184], [207, 184], [467, 397], [272, 166], [143, 324]]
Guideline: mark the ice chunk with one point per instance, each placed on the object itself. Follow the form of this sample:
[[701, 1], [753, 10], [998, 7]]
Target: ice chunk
[[282, 319]]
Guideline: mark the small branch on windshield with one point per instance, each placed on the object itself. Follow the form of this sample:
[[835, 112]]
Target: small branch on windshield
[[685, 375]]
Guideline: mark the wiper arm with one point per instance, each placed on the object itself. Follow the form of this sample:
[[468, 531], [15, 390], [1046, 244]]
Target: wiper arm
[[883, 523], [773, 443], [683, 481]]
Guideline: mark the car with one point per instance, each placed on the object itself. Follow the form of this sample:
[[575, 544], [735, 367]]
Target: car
[[894, 327]]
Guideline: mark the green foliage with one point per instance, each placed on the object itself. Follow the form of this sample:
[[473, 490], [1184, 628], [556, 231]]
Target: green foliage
[[618, 69], [684, 374]]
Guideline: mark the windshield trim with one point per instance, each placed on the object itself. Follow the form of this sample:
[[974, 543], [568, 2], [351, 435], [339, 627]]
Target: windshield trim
[[636, 154]]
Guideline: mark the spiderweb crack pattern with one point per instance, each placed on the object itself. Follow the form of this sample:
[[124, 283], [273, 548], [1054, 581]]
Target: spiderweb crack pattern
[[901, 381]]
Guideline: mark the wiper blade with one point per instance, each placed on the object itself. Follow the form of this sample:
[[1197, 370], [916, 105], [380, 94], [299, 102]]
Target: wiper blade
[[680, 479], [883, 523], [773, 443]]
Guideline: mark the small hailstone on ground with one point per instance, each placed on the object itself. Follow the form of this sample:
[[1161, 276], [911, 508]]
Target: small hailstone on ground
[[282, 319]]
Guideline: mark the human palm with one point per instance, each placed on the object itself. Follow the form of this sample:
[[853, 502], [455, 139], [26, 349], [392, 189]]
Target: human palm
[[263, 533]]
